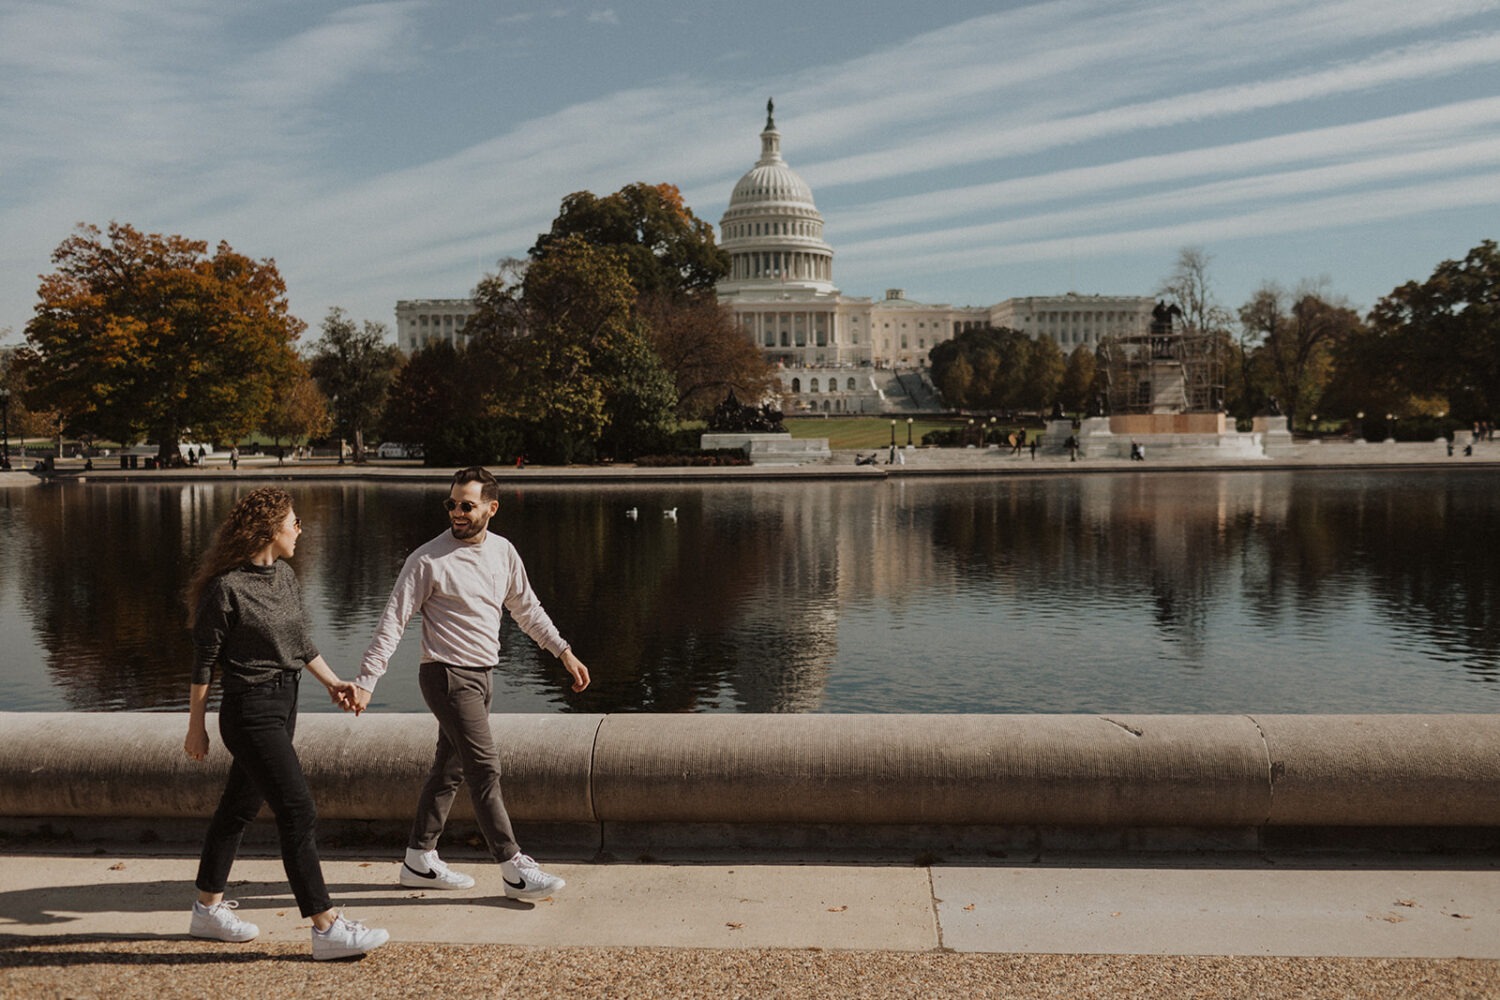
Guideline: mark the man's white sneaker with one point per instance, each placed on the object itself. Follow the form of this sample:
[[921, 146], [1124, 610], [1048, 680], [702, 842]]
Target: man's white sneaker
[[219, 923], [425, 870], [524, 880], [345, 939]]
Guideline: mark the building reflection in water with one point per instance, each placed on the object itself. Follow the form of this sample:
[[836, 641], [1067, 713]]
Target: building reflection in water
[[1347, 591]]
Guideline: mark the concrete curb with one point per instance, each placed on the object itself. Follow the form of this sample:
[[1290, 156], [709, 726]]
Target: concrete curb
[[850, 773]]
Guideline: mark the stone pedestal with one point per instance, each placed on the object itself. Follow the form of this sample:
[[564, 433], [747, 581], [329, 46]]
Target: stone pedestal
[[770, 449], [1095, 438], [1275, 437]]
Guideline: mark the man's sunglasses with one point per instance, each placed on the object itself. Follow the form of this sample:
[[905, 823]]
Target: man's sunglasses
[[467, 506]]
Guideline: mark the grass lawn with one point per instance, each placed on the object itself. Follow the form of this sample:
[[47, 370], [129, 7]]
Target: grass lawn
[[865, 432]]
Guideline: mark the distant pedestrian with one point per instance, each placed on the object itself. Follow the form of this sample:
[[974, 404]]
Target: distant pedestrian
[[1033, 449], [248, 624], [234, 456]]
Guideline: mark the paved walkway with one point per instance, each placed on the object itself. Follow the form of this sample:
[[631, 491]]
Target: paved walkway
[[1215, 926], [918, 462]]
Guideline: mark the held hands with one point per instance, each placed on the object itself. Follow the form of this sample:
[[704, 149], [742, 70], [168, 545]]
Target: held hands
[[346, 696]]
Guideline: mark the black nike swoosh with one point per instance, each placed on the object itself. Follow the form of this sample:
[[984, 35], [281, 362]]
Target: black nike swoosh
[[514, 885], [417, 873]]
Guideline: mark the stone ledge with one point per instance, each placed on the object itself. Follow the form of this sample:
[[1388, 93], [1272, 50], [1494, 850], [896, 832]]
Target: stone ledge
[[637, 778]]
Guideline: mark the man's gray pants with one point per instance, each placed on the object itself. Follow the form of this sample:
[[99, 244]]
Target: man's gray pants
[[460, 699]]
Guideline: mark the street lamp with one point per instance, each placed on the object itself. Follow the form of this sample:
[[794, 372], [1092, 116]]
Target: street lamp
[[908, 432], [1389, 433], [4, 428], [1359, 426], [893, 433]]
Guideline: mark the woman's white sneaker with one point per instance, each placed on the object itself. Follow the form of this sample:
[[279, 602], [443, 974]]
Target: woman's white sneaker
[[218, 922], [524, 880], [346, 939], [425, 870]]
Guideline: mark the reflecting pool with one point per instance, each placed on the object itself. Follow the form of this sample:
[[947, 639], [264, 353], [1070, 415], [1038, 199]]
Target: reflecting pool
[[1337, 591]]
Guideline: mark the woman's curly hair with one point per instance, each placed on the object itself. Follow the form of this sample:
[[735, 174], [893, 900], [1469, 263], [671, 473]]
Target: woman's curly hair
[[249, 528]]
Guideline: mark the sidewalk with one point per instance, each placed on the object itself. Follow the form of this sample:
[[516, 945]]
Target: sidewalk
[[1234, 925]]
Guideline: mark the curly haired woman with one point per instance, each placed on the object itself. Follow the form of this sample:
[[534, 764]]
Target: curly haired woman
[[246, 615]]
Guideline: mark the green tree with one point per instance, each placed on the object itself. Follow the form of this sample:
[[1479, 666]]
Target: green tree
[[666, 249], [354, 366], [144, 336], [580, 338], [1442, 336], [443, 399], [999, 369]]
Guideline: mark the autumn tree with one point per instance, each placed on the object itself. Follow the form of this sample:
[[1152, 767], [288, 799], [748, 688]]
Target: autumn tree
[[145, 336], [21, 420], [300, 411], [666, 249], [354, 366], [705, 352], [1441, 337], [1043, 374], [1296, 336]]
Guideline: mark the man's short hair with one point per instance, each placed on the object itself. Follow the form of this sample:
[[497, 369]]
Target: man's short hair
[[489, 488]]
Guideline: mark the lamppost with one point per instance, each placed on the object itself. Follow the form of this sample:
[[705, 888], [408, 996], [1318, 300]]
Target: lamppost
[[1359, 426], [1390, 434], [4, 428], [893, 433], [908, 432]]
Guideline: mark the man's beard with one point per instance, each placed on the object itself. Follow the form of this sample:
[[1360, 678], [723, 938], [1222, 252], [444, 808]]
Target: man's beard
[[471, 530]]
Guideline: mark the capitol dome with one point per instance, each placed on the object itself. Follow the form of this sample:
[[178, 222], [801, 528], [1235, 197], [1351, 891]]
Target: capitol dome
[[772, 230]]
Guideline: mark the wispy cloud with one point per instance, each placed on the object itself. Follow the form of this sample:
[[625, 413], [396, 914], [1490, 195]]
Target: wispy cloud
[[1074, 127]]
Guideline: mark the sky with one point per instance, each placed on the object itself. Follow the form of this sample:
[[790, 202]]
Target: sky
[[965, 152]]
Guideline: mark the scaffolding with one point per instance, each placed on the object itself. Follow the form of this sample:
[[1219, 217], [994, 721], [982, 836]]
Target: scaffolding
[[1172, 368]]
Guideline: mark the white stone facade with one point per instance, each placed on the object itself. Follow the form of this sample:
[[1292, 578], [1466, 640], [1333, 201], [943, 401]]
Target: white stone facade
[[422, 321], [780, 289], [1073, 320]]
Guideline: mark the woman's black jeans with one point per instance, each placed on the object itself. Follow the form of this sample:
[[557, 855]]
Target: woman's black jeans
[[257, 727]]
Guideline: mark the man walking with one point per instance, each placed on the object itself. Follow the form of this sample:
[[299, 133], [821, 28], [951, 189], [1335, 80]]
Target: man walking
[[462, 582]]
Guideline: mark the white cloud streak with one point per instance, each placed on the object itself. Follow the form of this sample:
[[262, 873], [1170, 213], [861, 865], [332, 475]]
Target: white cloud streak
[[937, 151]]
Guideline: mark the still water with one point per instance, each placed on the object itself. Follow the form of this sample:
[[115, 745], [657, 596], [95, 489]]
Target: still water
[[1339, 591]]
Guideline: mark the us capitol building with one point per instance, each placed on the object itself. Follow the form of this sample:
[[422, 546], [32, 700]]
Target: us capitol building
[[834, 353]]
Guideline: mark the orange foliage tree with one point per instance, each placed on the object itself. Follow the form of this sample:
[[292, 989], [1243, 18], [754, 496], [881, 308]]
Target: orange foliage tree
[[144, 336]]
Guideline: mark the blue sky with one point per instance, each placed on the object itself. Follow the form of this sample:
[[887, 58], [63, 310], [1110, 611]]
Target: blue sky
[[966, 152]]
